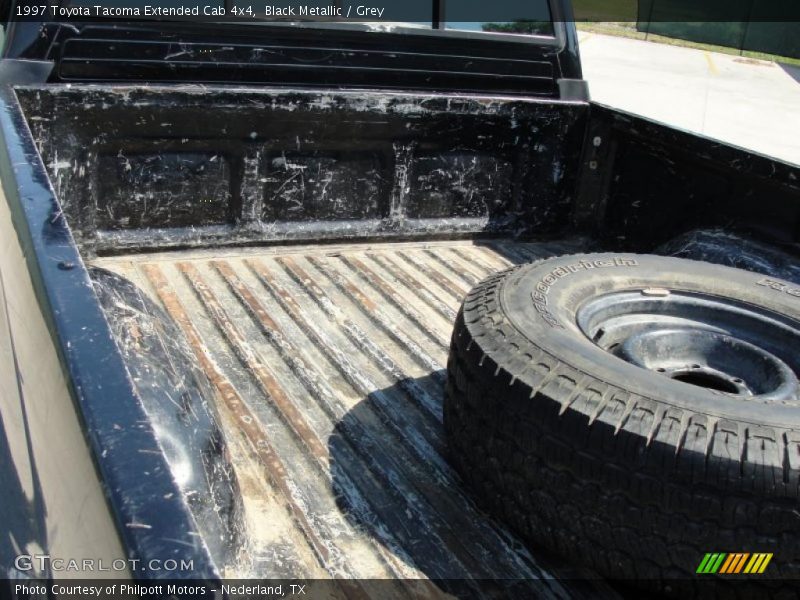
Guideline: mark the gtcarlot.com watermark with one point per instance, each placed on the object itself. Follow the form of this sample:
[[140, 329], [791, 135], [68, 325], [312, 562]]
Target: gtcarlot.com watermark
[[44, 563]]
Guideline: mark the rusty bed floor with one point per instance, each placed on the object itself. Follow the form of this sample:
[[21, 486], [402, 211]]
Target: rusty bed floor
[[329, 366]]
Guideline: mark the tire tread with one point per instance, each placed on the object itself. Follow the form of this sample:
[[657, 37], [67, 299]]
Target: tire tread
[[619, 482]]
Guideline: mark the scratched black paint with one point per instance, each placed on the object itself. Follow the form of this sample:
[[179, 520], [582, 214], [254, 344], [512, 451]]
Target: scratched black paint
[[178, 401], [150, 167], [642, 183], [149, 189]]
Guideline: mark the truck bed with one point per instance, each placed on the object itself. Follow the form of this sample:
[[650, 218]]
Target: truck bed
[[328, 365], [266, 409]]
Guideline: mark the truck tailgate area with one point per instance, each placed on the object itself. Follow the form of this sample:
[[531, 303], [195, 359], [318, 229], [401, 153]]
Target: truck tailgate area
[[328, 366]]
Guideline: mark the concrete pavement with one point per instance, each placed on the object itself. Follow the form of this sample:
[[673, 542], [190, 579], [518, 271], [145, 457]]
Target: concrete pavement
[[750, 103]]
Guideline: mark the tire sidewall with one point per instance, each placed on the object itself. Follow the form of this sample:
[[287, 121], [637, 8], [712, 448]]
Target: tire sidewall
[[541, 301]]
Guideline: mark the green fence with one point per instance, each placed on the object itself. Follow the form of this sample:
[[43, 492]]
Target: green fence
[[745, 27]]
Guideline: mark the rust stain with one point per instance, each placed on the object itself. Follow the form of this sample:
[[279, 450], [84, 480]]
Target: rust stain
[[471, 262], [491, 259], [365, 302], [294, 310], [264, 273], [456, 268], [388, 292], [375, 314], [249, 425], [266, 380], [488, 255], [451, 537], [247, 296], [456, 289], [413, 284]]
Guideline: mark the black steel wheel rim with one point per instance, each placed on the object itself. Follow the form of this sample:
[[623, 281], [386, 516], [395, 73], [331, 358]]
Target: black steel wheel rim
[[719, 344]]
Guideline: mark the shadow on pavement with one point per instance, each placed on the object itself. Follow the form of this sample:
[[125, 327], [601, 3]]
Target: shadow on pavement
[[793, 72]]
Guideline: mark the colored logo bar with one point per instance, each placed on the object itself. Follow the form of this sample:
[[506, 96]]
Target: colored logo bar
[[734, 563]]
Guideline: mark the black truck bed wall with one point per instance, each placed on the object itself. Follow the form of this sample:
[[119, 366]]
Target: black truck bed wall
[[139, 168], [142, 168], [642, 183]]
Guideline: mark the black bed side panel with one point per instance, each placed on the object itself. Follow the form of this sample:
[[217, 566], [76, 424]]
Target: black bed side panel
[[643, 183]]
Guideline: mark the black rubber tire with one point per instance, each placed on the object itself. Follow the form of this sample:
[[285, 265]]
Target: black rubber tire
[[612, 466]]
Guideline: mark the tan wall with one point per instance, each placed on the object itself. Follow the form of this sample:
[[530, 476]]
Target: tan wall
[[78, 521]]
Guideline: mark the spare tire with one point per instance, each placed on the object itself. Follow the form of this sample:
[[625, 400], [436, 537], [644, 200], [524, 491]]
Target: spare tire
[[633, 413]]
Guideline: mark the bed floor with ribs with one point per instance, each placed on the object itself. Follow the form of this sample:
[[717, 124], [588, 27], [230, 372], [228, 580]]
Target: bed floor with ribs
[[328, 364]]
